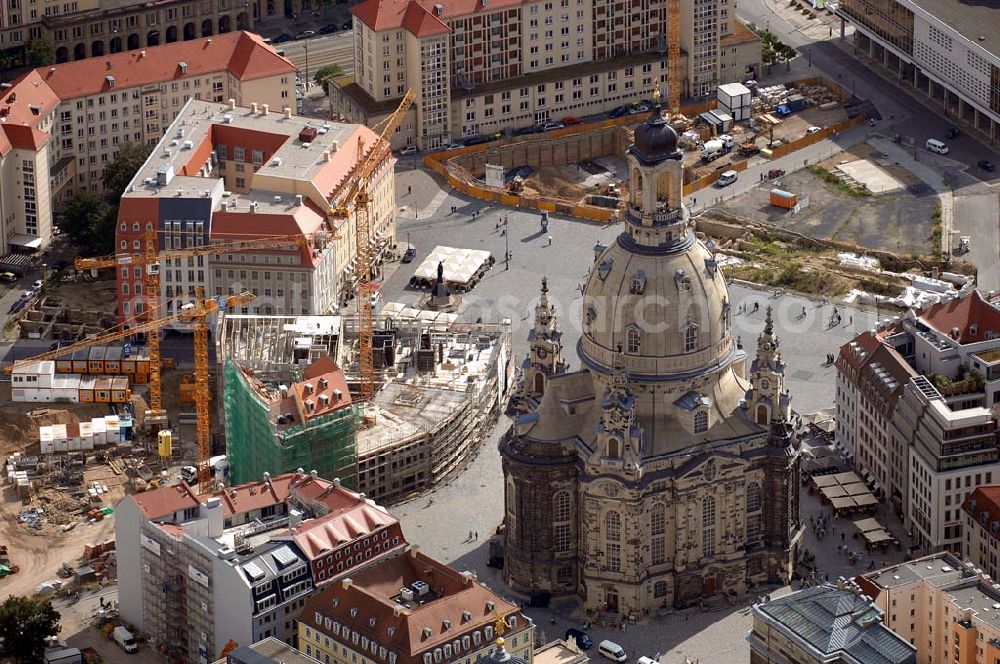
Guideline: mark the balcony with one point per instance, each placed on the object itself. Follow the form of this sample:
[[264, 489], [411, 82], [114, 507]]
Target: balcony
[[661, 216]]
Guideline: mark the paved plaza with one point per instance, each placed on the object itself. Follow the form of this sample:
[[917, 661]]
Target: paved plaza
[[441, 520]]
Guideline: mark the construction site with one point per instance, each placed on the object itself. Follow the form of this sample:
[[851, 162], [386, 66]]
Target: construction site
[[437, 393]]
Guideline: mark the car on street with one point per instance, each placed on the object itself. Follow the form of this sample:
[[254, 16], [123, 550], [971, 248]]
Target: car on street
[[329, 28], [636, 109], [408, 150], [552, 126], [306, 34], [8, 277], [813, 130], [727, 179], [409, 255], [618, 111], [37, 284], [347, 25], [570, 120], [476, 140], [524, 131], [282, 38], [986, 165], [452, 146], [583, 639]]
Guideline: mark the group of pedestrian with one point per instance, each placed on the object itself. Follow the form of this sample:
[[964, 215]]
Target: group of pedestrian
[[819, 526], [829, 358], [473, 536]]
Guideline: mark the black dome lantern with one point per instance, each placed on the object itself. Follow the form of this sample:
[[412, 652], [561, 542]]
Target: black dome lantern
[[655, 140]]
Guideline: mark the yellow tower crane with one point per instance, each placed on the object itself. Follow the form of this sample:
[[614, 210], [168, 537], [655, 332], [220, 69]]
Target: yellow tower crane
[[356, 196], [674, 57], [196, 314], [150, 262]]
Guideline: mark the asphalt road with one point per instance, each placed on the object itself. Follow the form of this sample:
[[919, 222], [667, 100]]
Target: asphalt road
[[310, 55]]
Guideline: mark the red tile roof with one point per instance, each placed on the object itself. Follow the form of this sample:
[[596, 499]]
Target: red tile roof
[[243, 54], [987, 499], [27, 101], [323, 371], [420, 18], [422, 22], [324, 534], [5, 145], [165, 501], [458, 606], [24, 137], [962, 313]]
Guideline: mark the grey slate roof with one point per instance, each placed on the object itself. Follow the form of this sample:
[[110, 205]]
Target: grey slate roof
[[834, 621]]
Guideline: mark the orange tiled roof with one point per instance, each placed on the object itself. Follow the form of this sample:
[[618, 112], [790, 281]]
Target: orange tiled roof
[[24, 137], [962, 313], [326, 533], [243, 54], [987, 499], [323, 371], [420, 17], [27, 101], [461, 606], [166, 500]]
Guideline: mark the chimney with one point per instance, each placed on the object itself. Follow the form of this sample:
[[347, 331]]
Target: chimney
[[298, 200], [347, 583], [326, 155], [336, 481], [142, 54], [414, 550], [294, 518], [254, 107], [288, 113], [263, 109], [334, 146], [313, 474], [232, 104], [212, 509]]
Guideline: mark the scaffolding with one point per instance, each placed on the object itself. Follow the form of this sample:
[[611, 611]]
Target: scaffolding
[[256, 443]]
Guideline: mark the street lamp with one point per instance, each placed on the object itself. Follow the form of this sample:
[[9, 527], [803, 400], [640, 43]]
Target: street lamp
[[305, 81]]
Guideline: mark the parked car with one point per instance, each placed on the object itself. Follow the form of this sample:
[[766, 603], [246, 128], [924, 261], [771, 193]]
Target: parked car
[[408, 150], [8, 277], [409, 255], [306, 34], [727, 179], [986, 165], [582, 638], [329, 28], [570, 120], [524, 131], [282, 38], [347, 25], [618, 112], [476, 140], [635, 109], [775, 173], [813, 130], [451, 146], [37, 284], [552, 126]]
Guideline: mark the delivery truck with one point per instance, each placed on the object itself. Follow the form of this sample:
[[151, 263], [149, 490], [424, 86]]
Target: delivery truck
[[783, 199]]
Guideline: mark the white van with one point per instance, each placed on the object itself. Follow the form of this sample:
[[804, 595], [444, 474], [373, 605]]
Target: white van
[[935, 145], [612, 651], [727, 179], [646, 660]]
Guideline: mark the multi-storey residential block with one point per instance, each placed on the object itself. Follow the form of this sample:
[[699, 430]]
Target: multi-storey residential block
[[78, 29], [945, 48], [268, 651], [198, 570], [915, 411], [825, 625], [62, 125], [982, 528], [221, 173], [483, 68], [412, 609], [944, 607]]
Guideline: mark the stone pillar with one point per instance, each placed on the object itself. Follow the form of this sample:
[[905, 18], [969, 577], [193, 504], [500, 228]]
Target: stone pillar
[[885, 57], [993, 131], [930, 87], [916, 75], [871, 48], [843, 28], [961, 108]]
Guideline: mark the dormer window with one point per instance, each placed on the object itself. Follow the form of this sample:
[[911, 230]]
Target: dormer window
[[683, 281], [633, 338], [604, 269], [591, 315], [638, 283]]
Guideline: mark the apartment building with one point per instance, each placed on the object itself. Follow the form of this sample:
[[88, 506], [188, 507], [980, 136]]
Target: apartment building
[[491, 66], [267, 651], [944, 607], [941, 47], [198, 570], [78, 29], [412, 609], [68, 120], [221, 173], [915, 411], [825, 625], [982, 529]]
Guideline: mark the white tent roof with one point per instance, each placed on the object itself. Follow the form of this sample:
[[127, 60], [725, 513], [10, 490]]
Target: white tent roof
[[459, 264]]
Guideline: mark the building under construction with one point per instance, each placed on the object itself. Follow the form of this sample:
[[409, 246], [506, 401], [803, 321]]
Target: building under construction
[[438, 393]]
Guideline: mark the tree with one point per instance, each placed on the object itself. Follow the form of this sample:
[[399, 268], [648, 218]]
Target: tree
[[40, 53], [89, 223], [326, 74], [25, 623], [117, 174]]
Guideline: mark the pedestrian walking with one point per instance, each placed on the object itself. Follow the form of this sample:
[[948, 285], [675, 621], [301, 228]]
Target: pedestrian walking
[[409, 189]]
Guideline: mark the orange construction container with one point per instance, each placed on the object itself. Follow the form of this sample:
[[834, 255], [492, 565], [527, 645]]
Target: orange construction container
[[784, 199]]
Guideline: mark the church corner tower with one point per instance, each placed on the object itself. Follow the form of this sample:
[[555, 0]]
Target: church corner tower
[[545, 355]]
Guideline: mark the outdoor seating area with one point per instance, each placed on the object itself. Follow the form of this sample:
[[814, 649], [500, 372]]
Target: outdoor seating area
[[462, 268], [875, 534], [846, 492]]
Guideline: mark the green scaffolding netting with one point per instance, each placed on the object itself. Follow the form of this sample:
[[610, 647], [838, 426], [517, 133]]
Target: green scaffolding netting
[[326, 444]]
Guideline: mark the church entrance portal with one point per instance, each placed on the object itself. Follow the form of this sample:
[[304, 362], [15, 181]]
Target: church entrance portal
[[710, 585], [611, 599]]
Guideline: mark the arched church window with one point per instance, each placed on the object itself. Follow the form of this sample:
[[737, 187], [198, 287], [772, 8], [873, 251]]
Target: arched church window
[[509, 504], [634, 340], [708, 512], [690, 338], [561, 521], [753, 497], [701, 421], [560, 506], [613, 526]]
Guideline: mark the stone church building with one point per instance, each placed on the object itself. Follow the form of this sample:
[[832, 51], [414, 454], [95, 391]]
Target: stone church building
[[666, 469]]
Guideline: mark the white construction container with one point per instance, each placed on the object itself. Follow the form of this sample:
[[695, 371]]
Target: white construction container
[[99, 428], [45, 440], [59, 441], [735, 98], [113, 423], [86, 436]]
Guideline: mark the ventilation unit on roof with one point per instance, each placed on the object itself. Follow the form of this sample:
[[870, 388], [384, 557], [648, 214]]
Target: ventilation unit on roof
[[439, 10], [276, 161], [188, 145], [406, 594], [277, 199], [228, 119], [420, 588]]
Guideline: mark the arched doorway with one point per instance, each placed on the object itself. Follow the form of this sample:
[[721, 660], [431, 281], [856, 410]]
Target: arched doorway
[[80, 52], [206, 28], [242, 21], [171, 34], [539, 383], [225, 24], [115, 45], [189, 32], [153, 38], [96, 49], [133, 41], [62, 54], [762, 414]]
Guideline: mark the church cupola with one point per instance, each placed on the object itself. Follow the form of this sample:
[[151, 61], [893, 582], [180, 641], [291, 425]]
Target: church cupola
[[545, 354], [767, 399]]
